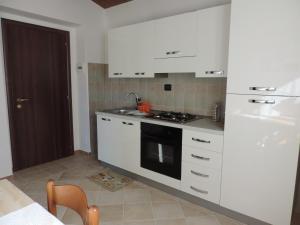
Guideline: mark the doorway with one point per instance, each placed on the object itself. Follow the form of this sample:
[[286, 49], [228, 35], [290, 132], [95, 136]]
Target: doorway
[[38, 81]]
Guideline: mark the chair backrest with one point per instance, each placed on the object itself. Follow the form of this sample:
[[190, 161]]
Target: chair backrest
[[73, 197]]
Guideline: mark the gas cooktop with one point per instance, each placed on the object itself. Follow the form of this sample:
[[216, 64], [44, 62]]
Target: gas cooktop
[[176, 117]]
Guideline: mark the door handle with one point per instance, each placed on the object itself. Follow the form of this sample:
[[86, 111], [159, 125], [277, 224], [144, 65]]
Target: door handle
[[104, 119], [262, 88], [130, 124], [200, 140], [198, 190], [19, 100], [199, 174], [262, 101], [212, 72], [200, 157]]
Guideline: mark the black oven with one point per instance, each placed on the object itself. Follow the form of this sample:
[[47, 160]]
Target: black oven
[[161, 149]]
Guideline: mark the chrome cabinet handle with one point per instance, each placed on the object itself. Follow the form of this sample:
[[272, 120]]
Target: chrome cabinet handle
[[261, 101], [262, 88], [105, 119], [19, 100], [198, 190], [118, 73], [130, 124], [200, 140], [200, 157], [168, 53], [175, 52], [199, 174], [215, 72], [143, 73]]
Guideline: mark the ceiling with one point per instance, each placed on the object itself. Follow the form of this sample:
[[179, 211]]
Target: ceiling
[[109, 3]]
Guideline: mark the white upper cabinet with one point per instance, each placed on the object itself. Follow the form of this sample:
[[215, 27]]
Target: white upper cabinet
[[264, 52], [141, 54], [175, 36], [119, 48], [213, 41]]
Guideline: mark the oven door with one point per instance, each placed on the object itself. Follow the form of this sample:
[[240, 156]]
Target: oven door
[[161, 149]]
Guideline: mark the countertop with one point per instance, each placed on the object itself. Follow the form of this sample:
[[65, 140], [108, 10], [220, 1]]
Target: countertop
[[202, 125]]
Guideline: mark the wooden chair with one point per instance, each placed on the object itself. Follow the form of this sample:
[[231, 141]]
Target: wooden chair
[[73, 197]]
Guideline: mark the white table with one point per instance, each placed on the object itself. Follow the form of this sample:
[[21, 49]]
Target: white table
[[16, 208]]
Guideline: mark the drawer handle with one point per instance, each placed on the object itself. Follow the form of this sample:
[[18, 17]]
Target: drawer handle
[[130, 124], [136, 73], [198, 190], [262, 88], [262, 101], [199, 174], [175, 52], [200, 157], [200, 140], [105, 119], [217, 72], [118, 73]]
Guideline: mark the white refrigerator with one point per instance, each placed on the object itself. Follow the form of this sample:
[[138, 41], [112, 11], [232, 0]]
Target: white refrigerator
[[262, 123]]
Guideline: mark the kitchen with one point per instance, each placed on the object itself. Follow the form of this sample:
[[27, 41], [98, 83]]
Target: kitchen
[[202, 104]]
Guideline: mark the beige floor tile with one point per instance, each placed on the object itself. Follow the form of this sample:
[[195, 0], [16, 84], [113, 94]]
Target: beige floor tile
[[88, 185], [167, 211], [190, 209], [71, 217], [152, 222], [171, 222], [159, 196], [110, 198], [224, 220], [137, 196], [111, 213], [207, 220], [134, 212]]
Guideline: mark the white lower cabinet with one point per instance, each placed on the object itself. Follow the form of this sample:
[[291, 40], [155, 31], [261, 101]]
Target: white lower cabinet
[[201, 182], [119, 142], [202, 165]]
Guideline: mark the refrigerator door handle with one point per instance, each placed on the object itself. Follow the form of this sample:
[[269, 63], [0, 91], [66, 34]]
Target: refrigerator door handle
[[262, 101]]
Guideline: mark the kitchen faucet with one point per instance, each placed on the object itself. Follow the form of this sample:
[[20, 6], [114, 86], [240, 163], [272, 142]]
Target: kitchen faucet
[[137, 98]]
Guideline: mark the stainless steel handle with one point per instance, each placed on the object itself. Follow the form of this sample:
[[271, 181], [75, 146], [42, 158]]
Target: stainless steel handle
[[118, 73], [200, 140], [215, 72], [199, 174], [198, 190], [175, 52], [262, 88], [168, 53], [105, 119], [200, 157], [19, 100], [130, 124], [143, 73], [136, 73], [261, 101]]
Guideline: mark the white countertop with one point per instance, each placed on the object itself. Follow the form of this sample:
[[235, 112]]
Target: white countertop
[[201, 125]]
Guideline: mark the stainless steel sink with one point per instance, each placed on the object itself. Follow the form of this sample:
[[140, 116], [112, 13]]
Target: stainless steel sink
[[130, 112]]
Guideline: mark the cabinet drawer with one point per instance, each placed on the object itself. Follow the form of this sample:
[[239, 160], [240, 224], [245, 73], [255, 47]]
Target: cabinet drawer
[[203, 140], [201, 157], [201, 182]]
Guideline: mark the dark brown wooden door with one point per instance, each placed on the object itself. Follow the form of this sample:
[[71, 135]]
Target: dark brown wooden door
[[39, 93]]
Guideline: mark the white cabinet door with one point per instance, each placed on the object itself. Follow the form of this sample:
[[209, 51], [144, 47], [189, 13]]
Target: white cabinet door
[[264, 49], [109, 150], [119, 50], [261, 147], [213, 41], [141, 53], [175, 36], [129, 142]]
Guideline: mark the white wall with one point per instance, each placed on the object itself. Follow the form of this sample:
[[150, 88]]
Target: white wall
[[86, 22]]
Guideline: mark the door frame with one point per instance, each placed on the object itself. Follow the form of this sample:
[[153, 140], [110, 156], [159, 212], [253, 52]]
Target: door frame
[[72, 77]]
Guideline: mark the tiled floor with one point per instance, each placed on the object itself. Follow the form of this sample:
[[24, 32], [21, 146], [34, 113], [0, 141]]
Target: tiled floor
[[136, 204]]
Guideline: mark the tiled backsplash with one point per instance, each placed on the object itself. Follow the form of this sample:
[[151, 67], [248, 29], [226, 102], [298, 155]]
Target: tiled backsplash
[[188, 94]]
